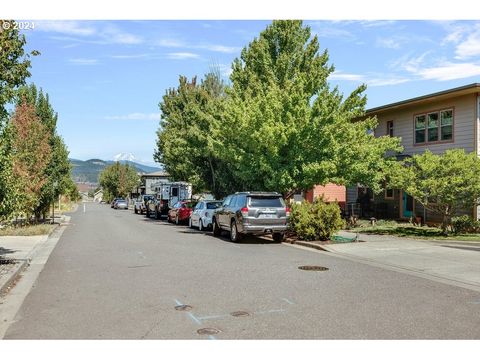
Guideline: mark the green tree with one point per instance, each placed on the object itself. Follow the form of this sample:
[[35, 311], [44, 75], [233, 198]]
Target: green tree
[[58, 170], [443, 184], [118, 180], [284, 129], [8, 192], [31, 154], [191, 115], [14, 65]]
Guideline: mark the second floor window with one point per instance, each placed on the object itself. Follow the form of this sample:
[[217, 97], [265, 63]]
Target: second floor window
[[390, 128], [434, 127]]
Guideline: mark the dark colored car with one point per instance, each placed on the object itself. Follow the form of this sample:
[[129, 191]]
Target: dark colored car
[[252, 213], [181, 211]]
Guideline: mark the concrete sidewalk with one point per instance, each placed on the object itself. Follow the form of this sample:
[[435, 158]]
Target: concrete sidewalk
[[455, 263]]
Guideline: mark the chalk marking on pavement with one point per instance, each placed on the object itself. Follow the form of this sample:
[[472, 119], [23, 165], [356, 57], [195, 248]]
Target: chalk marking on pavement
[[194, 318], [270, 311], [288, 301], [474, 302], [211, 317]]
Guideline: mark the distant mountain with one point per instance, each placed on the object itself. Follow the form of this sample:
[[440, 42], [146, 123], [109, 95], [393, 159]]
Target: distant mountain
[[89, 170]]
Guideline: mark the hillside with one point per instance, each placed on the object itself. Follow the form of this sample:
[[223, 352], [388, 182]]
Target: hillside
[[89, 170]]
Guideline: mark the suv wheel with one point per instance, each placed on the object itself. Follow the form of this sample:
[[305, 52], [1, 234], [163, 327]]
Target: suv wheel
[[216, 229], [135, 210], [200, 224], [147, 213], [277, 237], [235, 236], [157, 214]]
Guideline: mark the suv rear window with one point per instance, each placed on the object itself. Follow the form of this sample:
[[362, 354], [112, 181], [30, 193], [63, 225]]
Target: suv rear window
[[266, 202]]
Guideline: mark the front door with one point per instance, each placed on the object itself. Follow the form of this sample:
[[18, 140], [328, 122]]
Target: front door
[[407, 205]]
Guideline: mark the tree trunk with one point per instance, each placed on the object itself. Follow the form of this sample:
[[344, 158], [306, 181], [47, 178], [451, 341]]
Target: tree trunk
[[445, 222]]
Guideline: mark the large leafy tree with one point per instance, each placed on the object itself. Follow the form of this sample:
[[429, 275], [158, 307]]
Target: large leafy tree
[[118, 180], [191, 114], [31, 156], [285, 129], [444, 184], [14, 65], [58, 171]]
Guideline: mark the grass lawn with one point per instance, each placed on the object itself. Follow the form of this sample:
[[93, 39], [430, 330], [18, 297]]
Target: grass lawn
[[31, 230], [408, 230]]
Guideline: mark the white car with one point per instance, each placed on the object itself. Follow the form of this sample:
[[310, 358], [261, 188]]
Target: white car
[[201, 216]]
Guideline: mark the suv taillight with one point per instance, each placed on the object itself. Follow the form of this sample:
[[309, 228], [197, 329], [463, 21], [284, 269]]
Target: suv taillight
[[244, 211], [287, 211]]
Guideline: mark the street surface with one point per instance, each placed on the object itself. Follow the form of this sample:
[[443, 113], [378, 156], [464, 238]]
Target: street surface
[[116, 275]]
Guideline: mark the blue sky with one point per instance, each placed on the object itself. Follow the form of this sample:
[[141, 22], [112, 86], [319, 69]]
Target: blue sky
[[106, 78]]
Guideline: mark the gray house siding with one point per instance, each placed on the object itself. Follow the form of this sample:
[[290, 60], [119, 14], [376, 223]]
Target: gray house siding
[[466, 122]]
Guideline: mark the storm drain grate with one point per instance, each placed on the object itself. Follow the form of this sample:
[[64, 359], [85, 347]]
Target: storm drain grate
[[183, 307], [239, 313], [313, 268], [208, 331]]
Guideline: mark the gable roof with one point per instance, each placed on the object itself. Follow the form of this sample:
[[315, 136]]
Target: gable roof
[[156, 174], [438, 96]]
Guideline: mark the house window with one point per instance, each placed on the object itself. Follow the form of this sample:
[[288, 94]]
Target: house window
[[390, 128], [446, 124], [419, 129], [388, 192], [434, 127]]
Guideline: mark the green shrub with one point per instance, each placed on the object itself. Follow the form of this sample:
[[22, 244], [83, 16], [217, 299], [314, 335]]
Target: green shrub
[[465, 224], [315, 221]]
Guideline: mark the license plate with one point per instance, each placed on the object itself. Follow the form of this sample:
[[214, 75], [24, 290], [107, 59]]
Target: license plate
[[267, 216]]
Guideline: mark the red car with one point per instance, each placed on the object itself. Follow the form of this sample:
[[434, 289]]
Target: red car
[[181, 211]]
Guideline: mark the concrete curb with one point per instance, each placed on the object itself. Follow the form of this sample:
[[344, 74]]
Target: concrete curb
[[311, 245], [19, 267]]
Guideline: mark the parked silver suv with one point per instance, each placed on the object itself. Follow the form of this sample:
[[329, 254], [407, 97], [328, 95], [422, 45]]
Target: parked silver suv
[[252, 213]]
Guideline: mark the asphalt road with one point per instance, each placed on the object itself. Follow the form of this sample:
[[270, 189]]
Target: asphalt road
[[116, 275]]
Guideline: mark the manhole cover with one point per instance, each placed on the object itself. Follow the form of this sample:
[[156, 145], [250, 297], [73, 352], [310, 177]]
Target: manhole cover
[[208, 331], [183, 307], [313, 268], [240, 313]]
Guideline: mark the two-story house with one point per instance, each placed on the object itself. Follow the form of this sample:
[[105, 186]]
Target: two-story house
[[439, 121]]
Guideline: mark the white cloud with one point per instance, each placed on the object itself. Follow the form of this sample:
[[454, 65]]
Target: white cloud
[[338, 75], [470, 47], [182, 55], [369, 79], [390, 43], [88, 32], [83, 61], [170, 43], [175, 43], [219, 48], [134, 116], [449, 71], [112, 34], [328, 31], [130, 56], [66, 27]]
